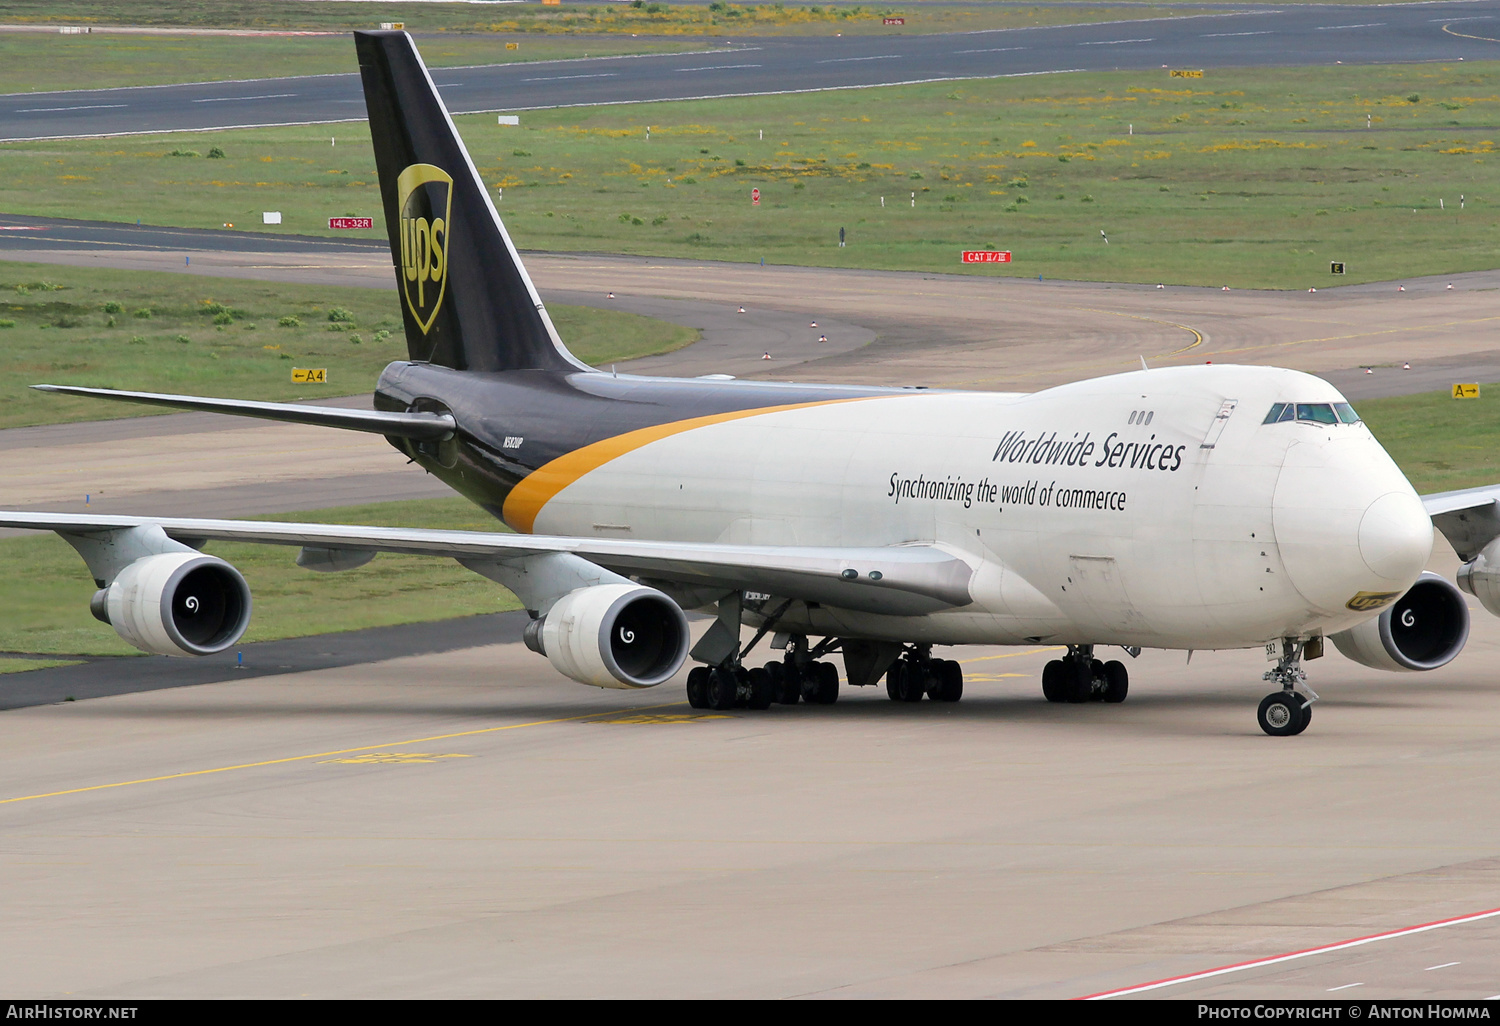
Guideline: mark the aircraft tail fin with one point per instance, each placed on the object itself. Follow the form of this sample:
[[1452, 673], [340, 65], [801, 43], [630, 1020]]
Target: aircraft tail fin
[[466, 299]]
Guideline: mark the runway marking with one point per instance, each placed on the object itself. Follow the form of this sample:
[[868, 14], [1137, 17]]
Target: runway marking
[[231, 99], [877, 57], [392, 758], [92, 106], [565, 78], [1337, 28], [721, 67], [998, 49], [1346, 986], [1116, 42], [1011, 655], [1443, 966], [1222, 35], [1465, 35], [324, 755], [663, 718], [1293, 955]]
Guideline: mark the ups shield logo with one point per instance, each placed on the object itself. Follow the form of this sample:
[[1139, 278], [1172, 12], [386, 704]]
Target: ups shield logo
[[1366, 601], [424, 195]]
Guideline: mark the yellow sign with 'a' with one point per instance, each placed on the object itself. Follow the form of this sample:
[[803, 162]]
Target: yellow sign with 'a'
[[1185, 73], [1466, 391], [310, 375]]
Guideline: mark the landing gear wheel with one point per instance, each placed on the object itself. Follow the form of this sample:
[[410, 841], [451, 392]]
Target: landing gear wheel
[[821, 685], [907, 681], [760, 689], [785, 688], [948, 681], [697, 687], [893, 684], [1116, 681], [1078, 677], [1284, 713], [722, 689], [1052, 681]]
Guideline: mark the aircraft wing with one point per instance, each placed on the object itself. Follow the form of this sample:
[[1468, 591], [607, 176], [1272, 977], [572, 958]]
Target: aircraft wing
[[898, 580], [1469, 518]]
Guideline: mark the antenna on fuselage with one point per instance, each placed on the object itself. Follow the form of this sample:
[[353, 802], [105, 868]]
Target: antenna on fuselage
[[1143, 364]]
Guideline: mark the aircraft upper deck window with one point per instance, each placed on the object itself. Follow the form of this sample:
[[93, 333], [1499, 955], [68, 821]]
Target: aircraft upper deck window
[[1318, 413]]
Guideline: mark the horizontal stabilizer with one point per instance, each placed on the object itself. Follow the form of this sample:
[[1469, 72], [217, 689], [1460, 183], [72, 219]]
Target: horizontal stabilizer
[[421, 427]]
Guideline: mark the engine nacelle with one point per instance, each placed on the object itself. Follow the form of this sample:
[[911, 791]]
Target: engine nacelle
[[1480, 577], [613, 636], [1422, 630], [177, 603]]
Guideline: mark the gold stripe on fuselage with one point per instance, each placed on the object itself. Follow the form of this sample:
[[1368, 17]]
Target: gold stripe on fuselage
[[525, 502]]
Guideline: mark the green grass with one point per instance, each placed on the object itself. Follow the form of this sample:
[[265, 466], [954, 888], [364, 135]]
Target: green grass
[[22, 665], [34, 63], [1440, 443], [1250, 178], [645, 18], [45, 588], [221, 336]]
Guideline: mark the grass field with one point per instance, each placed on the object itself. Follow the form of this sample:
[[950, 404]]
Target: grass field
[[31, 62], [1441, 444], [1251, 178], [45, 588], [643, 18], [215, 336]]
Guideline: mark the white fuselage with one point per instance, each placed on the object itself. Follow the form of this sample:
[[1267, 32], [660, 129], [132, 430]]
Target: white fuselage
[[1152, 508]]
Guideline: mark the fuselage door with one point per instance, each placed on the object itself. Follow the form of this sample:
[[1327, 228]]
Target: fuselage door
[[1217, 427]]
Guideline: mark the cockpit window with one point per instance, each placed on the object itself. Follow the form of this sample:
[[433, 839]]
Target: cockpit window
[[1318, 413], [1312, 413]]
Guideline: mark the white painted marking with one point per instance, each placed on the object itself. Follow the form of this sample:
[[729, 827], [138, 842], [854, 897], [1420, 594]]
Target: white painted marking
[[564, 78], [721, 67], [91, 106], [1226, 35], [22, 228], [232, 99], [877, 57], [1443, 966], [998, 49], [1339, 28], [449, 85], [1293, 955], [1116, 42], [1346, 986]]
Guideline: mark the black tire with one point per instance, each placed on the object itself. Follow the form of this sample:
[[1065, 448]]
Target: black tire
[[1052, 681], [760, 689], [784, 686], [742, 690], [1280, 714], [1116, 681], [697, 687], [723, 689], [1079, 681], [912, 684], [893, 680], [821, 685], [1306, 713], [948, 681]]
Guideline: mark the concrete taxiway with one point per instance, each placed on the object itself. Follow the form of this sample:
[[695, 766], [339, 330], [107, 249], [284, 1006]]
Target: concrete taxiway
[[432, 811]]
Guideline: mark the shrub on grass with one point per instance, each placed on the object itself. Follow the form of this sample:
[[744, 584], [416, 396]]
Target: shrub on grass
[[144, 313], [356, 339], [382, 335], [137, 340], [336, 327], [184, 153], [7, 324], [112, 307], [520, 153], [216, 154], [183, 339], [223, 317], [290, 322], [341, 315]]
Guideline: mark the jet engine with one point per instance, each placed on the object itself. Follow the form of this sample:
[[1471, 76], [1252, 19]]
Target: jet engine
[[613, 636], [176, 603], [1480, 577], [1422, 630]]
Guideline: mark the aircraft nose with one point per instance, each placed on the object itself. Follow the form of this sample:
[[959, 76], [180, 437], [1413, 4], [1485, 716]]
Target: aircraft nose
[[1395, 536], [1347, 522]]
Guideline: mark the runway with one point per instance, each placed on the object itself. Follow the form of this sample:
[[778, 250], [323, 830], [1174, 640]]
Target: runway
[[431, 811], [1283, 37]]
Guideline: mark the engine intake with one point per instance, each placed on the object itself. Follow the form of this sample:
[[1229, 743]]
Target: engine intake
[[1422, 630], [177, 603], [613, 636]]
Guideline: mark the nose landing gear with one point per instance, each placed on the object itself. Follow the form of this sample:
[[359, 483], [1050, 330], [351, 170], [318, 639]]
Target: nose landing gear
[[1078, 677], [1287, 712]]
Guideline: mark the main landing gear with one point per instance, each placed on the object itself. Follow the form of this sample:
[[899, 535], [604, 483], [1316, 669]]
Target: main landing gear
[[1287, 712], [800, 677], [1078, 677], [915, 673]]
